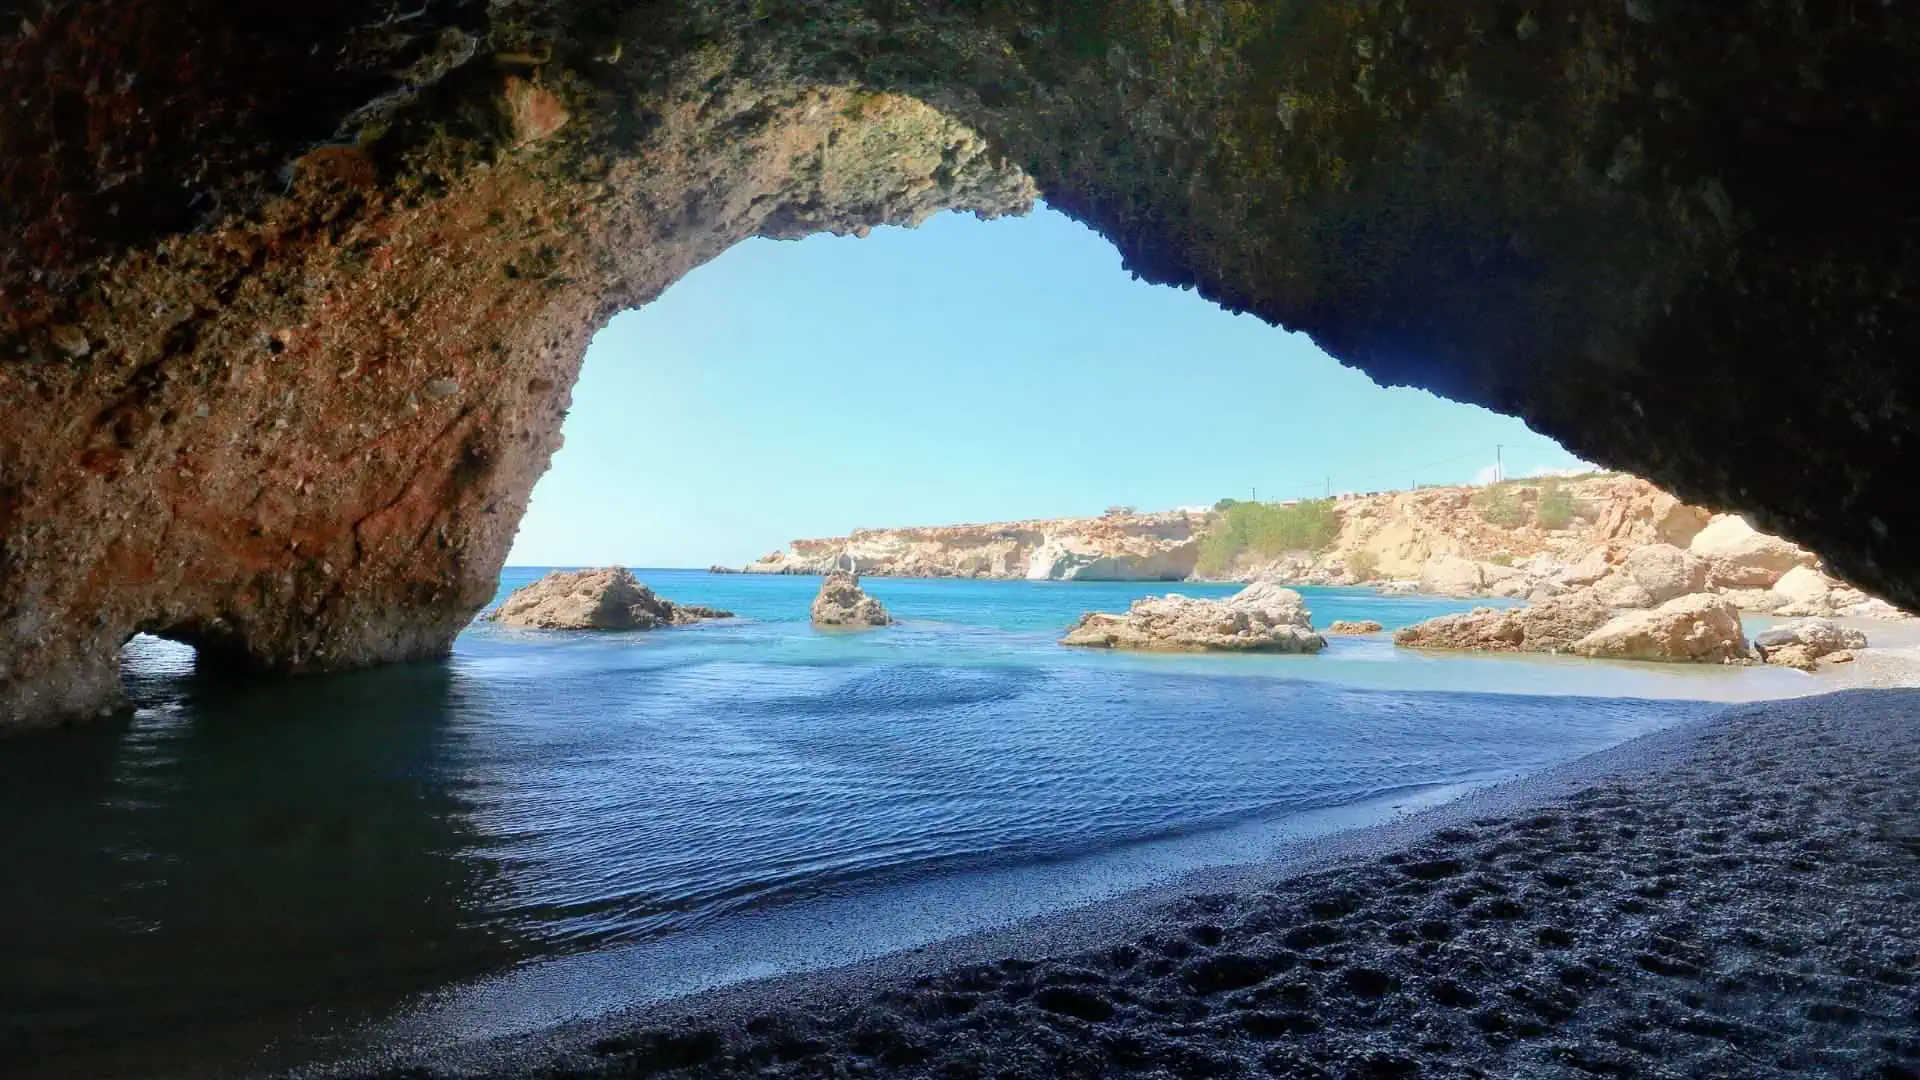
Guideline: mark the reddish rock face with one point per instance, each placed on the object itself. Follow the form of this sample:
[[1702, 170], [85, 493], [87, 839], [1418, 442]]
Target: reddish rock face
[[292, 295], [304, 442]]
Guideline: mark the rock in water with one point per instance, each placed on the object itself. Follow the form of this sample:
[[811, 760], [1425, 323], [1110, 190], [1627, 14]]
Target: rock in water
[[1552, 625], [1354, 627], [1698, 629], [606, 599], [1263, 617], [842, 602], [1802, 642]]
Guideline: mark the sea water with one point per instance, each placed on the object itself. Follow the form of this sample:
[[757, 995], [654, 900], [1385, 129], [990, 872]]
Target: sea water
[[256, 875]]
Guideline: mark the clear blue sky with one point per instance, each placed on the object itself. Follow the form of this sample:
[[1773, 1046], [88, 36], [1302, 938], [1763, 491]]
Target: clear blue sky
[[963, 371]]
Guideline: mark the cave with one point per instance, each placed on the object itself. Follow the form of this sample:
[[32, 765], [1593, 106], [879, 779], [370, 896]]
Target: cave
[[292, 296]]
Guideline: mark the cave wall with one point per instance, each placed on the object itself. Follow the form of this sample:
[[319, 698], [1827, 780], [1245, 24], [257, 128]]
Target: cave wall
[[292, 295]]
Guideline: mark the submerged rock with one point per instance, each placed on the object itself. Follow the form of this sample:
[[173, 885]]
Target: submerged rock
[[1803, 642], [1552, 625], [1354, 627], [842, 602], [1697, 629], [606, 599], [1263, 617]]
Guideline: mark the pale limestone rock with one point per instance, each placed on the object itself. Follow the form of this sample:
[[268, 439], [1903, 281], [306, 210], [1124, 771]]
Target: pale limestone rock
[[1760, 601], [1665, 571], [842, 602], [1741, 557], [1803, 642], [1804, 591], [1675, 522], [1078, 558], [1354, 627], [1263, 617], [605, 599], [1620, 590], [1549, 626], [1693, 629], [1587, 570], [1873, 608], [1451, 575]]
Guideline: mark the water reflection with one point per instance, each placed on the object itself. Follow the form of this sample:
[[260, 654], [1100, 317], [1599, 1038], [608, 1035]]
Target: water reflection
[[234, 851], [244, 877]]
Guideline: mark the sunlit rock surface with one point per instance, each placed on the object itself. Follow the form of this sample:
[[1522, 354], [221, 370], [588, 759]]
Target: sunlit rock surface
[[1689, 629], [842, 602], [1549, 626], [1802, 643], [1262, 617], [1118, 546], [606, 599], [290, 306]]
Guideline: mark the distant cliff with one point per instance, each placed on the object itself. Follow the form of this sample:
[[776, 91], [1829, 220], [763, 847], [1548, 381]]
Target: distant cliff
[[1118, 546], [1531, 538]]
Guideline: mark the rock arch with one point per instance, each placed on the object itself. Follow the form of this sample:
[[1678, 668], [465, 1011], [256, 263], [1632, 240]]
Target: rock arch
[[292, 296]]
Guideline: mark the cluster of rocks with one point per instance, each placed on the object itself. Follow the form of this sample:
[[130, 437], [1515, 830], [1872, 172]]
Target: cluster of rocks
[[1805, 643], [1263, 617], [1689, 628], [613, 599], [605, 599], [1756, 573], [843, 603]]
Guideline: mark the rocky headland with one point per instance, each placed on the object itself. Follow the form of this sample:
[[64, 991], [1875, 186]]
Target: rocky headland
[[1118, 546], [1263, 617], [606, 599], [1637, 545]]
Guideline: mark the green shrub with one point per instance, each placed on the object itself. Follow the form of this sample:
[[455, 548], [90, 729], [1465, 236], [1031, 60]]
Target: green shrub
[[1555, 508], [1362, 565], [1501, 505], [1500, 558], [1266, 530]]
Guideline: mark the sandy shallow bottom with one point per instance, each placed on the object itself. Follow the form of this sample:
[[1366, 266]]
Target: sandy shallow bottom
[[1739, 897]]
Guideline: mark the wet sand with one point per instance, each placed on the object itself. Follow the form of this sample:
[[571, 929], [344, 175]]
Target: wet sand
[[1738, 897]]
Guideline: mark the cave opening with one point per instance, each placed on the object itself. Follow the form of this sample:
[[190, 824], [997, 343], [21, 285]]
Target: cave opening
[[965, 370]]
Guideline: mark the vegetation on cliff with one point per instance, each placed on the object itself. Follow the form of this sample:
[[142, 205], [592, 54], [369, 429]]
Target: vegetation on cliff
[[1510, 504], [1266, 530]]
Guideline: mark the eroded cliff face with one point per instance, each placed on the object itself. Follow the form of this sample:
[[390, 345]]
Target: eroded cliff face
[[1113, 547], [1396, 535], [302, 439], [291, 296]]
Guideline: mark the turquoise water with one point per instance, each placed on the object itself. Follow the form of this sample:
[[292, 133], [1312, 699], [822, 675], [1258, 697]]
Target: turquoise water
[[263, 874]]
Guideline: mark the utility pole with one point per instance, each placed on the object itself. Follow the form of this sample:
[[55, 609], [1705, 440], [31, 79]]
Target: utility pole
[[1329, 487], [1499, 466], [1256, 493]]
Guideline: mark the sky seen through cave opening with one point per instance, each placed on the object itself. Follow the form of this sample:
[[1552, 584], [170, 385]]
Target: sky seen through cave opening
[[964, 371]]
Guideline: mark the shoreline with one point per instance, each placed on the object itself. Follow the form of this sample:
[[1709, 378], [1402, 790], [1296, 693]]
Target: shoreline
[[1509, 868]]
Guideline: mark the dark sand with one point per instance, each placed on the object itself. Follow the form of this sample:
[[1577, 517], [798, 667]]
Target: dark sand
[[1736, 898]]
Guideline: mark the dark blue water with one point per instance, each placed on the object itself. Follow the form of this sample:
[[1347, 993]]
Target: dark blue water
[[247, 875]]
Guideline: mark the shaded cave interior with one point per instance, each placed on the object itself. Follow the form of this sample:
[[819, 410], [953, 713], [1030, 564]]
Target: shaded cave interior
[[294, 305]]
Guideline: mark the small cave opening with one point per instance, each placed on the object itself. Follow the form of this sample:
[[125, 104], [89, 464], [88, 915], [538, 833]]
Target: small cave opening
[[162, 654]]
